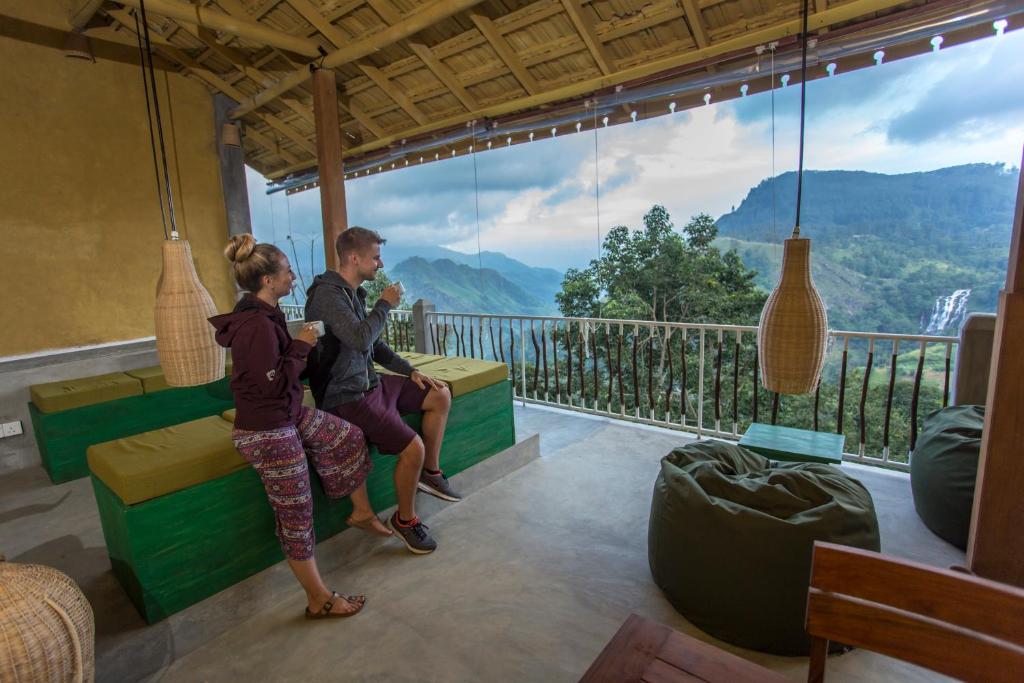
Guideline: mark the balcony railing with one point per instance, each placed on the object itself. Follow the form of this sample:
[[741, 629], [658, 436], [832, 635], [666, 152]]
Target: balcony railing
[[704, 378]]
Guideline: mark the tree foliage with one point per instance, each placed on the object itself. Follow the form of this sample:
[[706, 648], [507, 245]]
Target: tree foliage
[[659, 273]]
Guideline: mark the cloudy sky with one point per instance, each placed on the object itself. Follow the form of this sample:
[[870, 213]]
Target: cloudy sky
[[537, 201]]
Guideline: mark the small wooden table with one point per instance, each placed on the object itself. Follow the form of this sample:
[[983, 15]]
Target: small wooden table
[[796, 445], [646, 651]]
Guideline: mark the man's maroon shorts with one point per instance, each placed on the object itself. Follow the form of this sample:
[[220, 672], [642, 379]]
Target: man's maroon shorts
[[379, 413]]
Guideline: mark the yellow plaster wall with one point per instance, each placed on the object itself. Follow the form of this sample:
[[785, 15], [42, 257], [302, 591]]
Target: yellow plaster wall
[[79, 220]]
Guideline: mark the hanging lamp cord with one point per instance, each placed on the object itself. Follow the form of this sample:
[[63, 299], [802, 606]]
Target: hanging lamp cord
[[597, 204], [159, 122], [149, 120], [803, 107], [476, 201]]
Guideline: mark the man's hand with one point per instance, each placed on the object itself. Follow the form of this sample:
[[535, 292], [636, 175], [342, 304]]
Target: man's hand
[[422, 381], [391, 295]]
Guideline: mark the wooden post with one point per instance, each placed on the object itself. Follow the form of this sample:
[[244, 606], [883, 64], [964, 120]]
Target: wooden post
[[995, 549], [329, 162]]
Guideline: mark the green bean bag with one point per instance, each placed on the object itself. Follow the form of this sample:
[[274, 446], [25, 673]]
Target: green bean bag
[[943, 470], [731, 536]]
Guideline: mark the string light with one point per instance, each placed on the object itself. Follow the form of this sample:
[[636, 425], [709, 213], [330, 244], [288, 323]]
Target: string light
[[879, 57], [421, 160], [672, 107], [744, 89], [1000, 26], [831, 69], [784, 80], [488, 144], [531, 136], [936, 43], [578, 126], [453, 152], [707, 98], [632, 115], [604, 121], [437, 155], [554, 131], [508, 141]]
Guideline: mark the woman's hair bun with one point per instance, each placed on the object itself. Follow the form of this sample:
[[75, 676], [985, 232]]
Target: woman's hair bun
[[240, 248]]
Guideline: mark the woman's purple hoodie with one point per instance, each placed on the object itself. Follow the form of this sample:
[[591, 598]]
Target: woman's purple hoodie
[[267, 363]]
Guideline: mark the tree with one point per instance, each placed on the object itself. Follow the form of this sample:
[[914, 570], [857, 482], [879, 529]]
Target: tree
[[658, 273]]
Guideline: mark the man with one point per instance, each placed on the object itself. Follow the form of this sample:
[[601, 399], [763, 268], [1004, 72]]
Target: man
[[344, 382]]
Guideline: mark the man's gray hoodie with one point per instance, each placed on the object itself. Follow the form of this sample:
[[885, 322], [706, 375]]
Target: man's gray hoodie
[[340, 368]]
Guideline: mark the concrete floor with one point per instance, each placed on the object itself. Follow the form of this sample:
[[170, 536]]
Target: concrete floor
[[533, 575]]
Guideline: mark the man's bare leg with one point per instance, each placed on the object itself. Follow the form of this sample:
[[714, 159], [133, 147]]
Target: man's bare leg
[[435, 417], [407, 475]]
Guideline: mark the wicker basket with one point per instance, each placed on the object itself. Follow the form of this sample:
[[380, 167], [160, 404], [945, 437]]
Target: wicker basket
[[188, 353], [47, 631], [793, 331]]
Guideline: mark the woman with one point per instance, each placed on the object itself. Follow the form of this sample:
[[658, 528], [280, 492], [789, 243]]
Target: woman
[[272, 427]]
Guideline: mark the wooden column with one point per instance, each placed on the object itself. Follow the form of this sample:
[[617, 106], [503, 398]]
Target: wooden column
[[331, 167], [995, 549]]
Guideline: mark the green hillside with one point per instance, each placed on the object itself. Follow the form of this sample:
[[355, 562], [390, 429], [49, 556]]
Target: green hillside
[[457, 287], [886, 247]]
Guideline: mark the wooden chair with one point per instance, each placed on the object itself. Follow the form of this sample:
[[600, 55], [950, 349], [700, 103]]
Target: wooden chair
[[953, 623]]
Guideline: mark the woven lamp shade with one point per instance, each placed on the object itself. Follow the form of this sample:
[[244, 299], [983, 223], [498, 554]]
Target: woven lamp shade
[[188, 353], [47, 631], [793, 331]]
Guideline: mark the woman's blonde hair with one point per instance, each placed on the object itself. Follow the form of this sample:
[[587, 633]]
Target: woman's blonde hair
[[251, 261]]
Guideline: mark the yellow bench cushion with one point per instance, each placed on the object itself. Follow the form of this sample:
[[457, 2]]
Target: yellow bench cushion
[[307, 400], [415, 359], [156, 463], [54, 397], [152, 378], [463, 375]]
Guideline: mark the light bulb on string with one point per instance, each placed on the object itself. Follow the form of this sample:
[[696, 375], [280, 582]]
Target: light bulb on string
[[531, 136], [744, 89], [392, 164], [879, 57], [707, 98], [554, 131], [406, 162], [437, 155], [831, 69], [632, 115], [508, 141], [784, 80], [578, 126], [471, 149], [936, 43], [421, 159], [672, 107], [604, 121], [1000, 26], [453, 152], [488, 144]]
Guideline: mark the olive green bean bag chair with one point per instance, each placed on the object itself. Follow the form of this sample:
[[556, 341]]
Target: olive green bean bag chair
[[943, 470], [731, 536]]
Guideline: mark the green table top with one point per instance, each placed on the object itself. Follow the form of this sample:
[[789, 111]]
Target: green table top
[[800, 445]]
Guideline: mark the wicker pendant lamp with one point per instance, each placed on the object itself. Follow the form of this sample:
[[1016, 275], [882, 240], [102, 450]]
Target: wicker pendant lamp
[[185, 344], [793, 331], [47, 631]]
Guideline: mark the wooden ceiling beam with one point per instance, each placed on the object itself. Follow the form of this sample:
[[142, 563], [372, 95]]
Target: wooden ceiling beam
[[586, 30], [214, 80], [693, 19], [385, 11], [505, 53], [394, 93], [219, 21], [83, 14], [445, 75], [413, 23]]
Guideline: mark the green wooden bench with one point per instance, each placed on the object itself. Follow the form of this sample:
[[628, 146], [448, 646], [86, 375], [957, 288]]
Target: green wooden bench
[[184, 516], [794, 445], [71, 415]]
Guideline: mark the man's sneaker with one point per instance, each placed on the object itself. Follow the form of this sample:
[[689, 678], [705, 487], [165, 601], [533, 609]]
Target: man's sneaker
[[437, 485], [415, 536]]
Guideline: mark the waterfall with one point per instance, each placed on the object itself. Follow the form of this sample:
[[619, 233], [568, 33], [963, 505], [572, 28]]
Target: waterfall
[[948, 312]]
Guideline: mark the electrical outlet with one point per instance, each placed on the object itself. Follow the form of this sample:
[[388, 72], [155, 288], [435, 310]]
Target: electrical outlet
[[12, 429]]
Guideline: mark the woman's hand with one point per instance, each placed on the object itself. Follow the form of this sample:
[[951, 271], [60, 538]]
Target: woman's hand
[[308, 334]]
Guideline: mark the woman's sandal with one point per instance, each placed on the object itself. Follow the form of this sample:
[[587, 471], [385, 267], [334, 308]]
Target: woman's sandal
[[367, 526], [357, 601]]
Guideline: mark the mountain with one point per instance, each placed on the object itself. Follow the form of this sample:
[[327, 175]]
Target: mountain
[[456, 287], [540, 283], [891, 253]]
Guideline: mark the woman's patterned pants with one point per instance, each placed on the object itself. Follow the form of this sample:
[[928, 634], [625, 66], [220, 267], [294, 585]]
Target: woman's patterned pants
[[338, 452]]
